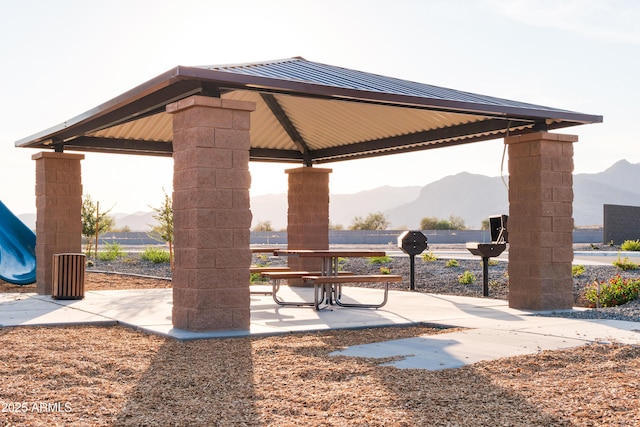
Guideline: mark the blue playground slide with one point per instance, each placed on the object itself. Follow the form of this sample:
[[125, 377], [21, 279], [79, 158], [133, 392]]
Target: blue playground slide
[[17, 249]]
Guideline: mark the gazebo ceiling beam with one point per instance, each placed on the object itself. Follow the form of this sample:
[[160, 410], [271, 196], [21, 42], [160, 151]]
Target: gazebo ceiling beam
[[288, 126], [429, 140], [274, 155], [470, 132], [119, 146]]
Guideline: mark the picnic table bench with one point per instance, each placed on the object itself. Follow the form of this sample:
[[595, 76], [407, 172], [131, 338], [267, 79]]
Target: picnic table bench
[[267, 269], [328, 289], [277, 276], [333, 284], [256, 269]]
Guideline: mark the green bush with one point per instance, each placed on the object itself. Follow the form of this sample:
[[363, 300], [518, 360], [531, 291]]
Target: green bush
[[630, 245], [451, 263], [385, 270], [262, 260], [466, 278], [625, 264], [112, 251], [577, 270], [256, 278], [429, 257], [433, 223], [616, 291], [380, 260], [155, 255]]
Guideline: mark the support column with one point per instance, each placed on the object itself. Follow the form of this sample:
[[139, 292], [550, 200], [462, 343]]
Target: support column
[[540, 221], [308, 214], [58, 210], [212, 216]]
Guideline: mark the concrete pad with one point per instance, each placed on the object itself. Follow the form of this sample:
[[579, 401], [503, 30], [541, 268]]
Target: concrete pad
[[456, 349], [35, 310], [592, 330], [494, 329]]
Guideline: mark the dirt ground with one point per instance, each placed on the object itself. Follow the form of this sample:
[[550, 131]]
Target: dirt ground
[[93, 376], [100, 282]]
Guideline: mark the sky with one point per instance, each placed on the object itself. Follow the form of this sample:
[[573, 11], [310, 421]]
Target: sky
[[61, 58]]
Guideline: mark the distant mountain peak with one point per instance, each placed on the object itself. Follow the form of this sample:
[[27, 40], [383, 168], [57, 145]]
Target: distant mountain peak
[[619, 165]]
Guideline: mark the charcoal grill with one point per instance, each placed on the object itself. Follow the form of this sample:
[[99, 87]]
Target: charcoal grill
[[412, 243], [499, 240]]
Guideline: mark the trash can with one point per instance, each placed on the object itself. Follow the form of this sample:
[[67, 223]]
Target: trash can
[[68, 276]]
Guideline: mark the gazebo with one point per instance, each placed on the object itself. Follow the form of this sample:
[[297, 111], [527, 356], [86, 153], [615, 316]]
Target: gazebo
[[214, 120]]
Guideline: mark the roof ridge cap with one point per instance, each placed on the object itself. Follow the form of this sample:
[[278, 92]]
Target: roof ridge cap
[[221, 67]]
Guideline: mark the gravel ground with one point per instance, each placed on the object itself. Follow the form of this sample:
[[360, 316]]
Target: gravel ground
[[431, 277], [115, 376]]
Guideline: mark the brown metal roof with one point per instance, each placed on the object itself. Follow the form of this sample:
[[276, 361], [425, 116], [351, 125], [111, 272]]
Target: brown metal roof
[[306, 112]]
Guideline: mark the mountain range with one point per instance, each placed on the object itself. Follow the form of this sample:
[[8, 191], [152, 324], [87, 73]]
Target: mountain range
[[469, 196], [472, 197]]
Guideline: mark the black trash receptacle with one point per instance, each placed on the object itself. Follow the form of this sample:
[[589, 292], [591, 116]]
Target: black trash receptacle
[[68, 276]]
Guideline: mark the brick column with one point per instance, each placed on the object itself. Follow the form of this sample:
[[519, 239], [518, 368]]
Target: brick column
[[212, 216], [308, 214], [59, 212], [540, 221]]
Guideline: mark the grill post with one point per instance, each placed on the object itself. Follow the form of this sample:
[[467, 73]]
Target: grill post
[[412, 243], [68, 276], [485, 276]]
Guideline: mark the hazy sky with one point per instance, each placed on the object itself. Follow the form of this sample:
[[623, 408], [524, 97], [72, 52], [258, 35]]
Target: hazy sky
[[61, 58]]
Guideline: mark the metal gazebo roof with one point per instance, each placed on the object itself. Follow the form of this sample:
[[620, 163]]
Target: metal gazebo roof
[[306, 112]]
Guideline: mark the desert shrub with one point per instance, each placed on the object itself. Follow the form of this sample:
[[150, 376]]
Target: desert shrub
[[155, 255], [429, 257], [373, 221], [466, 278], [577, 270], [493, 262], [385, 270], [433, 223], [112, 251], [94, 222], [630, 245], [613, 292], [263, 226], [452, 263], [256, 278], [380, 260], [262, 260], [624, 264]]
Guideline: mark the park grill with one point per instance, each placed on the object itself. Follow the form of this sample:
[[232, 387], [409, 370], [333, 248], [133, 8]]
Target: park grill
[[499, 240]]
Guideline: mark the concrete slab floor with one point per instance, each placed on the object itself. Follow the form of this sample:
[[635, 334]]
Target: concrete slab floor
[[494, 330]]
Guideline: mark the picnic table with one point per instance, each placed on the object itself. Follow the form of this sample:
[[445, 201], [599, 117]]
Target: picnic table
[[330, 257], [328, 282]]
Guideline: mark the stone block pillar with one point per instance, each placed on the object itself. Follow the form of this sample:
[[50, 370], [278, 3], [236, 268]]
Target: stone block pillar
[[59, 212], [540, 221], [212, 216], [308, 214]]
